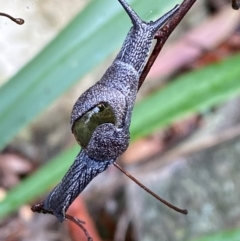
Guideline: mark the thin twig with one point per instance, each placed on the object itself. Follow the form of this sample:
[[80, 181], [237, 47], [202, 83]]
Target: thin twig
[[19, 21], [235, 4], [79, 223], [38, 208], [183, 211], [163, 34]]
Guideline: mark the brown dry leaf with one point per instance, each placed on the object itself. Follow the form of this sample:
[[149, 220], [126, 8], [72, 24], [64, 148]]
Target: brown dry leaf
[[142, 149], [12, 166], [79, 210], [205, 37], [16, 163], [148, 147]]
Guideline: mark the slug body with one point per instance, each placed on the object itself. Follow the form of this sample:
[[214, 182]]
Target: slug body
[[101, 116]]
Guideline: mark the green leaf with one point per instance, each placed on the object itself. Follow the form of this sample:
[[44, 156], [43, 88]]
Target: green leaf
[[93, 35], [229, 235], [187, 94], [192, 92]]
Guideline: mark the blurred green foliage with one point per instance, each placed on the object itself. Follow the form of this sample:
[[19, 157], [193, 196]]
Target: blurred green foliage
[[229, 235]]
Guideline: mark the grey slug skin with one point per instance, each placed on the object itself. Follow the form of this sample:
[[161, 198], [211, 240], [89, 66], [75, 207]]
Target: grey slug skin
[[75, 180], [118, 87]]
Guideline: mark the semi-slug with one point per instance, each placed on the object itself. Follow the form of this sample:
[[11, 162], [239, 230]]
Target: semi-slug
[[101, 116]]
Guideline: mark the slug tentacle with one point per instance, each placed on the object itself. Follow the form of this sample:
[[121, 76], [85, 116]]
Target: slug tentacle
[[136, 20], [82, 171]]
